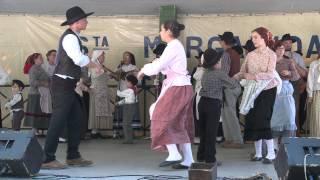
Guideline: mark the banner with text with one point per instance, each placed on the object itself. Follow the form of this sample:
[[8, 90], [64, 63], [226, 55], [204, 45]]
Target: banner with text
[[22, 35]]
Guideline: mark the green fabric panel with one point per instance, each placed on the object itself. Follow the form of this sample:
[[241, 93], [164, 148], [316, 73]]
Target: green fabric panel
[[168, 12]]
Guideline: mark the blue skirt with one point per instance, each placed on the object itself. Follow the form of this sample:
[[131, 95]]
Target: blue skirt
[[284, 110]]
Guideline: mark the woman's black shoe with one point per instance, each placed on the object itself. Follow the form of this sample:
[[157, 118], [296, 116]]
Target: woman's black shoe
[[168, 163], [179, 166]]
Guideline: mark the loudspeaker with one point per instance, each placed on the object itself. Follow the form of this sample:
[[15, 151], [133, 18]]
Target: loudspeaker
[[294, 155], [20, 153]]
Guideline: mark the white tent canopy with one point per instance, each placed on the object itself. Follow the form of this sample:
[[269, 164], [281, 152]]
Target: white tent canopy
[[151, 7]]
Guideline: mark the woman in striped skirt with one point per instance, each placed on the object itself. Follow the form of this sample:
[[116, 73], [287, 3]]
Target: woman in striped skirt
[[313, 89]]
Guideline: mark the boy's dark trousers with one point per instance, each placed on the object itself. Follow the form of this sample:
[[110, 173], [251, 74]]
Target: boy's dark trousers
[[209, 116], [129, 111], [17, 117]]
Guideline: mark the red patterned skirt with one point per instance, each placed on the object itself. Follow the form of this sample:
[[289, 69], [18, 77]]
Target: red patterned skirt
[[172, 119]]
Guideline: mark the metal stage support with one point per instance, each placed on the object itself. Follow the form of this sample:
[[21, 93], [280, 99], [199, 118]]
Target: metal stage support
[[154, 90]]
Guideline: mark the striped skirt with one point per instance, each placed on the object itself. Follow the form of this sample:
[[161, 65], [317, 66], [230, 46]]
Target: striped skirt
[[315, 115]]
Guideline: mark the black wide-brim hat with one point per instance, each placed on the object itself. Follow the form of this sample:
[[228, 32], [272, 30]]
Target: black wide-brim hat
[[211, 57], [249, 46], [287, 37], [74, 14], [159, 49], [227, 37]]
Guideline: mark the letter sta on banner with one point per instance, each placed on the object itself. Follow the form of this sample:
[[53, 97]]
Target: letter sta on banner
[[22, 35]]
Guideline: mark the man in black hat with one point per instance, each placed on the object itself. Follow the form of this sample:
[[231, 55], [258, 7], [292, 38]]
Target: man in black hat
[[288, 40], [67, 109], [303, 72], [230, 62]]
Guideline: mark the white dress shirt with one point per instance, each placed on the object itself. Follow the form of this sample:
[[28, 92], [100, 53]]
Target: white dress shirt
[[70, 44], [14, 100], [129, 96]]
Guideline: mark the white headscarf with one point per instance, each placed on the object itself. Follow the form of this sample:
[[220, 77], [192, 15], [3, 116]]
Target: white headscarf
[[95, 55]]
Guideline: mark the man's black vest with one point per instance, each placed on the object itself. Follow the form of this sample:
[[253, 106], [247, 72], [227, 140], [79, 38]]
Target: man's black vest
[[65, 64]]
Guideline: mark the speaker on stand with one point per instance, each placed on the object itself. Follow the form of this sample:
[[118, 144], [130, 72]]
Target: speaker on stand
[[20, 153]]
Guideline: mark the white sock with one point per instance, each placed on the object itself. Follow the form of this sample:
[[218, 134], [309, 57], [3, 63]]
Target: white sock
[[94, 131], [187, 154], [174, 154], [271, 154], [275, 143], [258, 148]]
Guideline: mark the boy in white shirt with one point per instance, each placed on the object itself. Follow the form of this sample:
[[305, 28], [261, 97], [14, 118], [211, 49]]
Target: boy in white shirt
[[15, 104], [130, 106]]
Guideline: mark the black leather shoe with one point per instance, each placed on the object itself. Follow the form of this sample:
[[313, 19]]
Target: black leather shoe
[[168, 163], [100, 136], [179, 166], [267, 161], [256, 158], [219, 163]]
